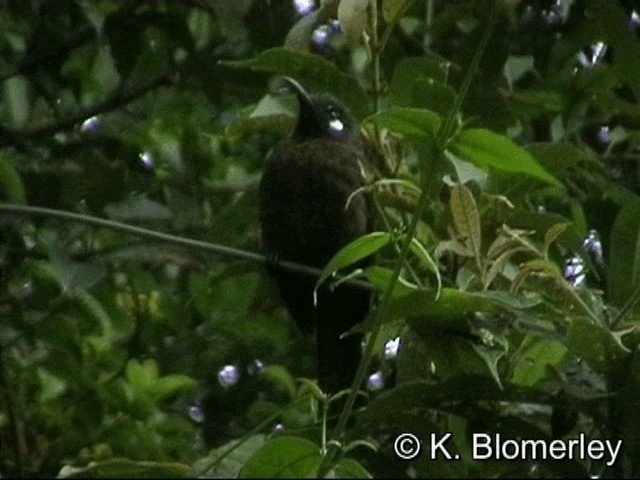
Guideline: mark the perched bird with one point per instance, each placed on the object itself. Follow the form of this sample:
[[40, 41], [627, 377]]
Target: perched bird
[[307, 180]]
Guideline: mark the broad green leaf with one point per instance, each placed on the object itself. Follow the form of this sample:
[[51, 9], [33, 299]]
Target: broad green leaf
[[553, 234], [283, 457], [380, 278], [516, 66], [75, 276], [353, 16], [559, 157], [170, 385], [627, 401], [537, 101], [142, 375], [299, 35], [465, 389], [358, 249], [466, 218], [16, 100], [489, 150], [11, 186], [624, 255], [51, 386], [626, 61], [227, 460], [138, 208], [433, 95], [410, 68], [596, 345], [542, 222], [92, 306], [421, 83], [454, 246], [391, 8], [492, 353], [542, 267], [411, 122], [535, 355], [348, 468], [497, 265], [314, 72], [451, 308], [281, 377]]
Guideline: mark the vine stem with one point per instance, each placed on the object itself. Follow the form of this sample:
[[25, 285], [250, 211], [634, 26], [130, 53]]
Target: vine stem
[[445, 132], [223, 250]]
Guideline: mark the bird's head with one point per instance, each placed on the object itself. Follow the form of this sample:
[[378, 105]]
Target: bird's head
[[321, 115]]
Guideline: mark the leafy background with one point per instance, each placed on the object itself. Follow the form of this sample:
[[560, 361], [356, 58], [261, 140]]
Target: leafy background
[[504, 173]]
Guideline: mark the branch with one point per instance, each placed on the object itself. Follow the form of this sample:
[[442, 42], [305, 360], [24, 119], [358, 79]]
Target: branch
[[117, 99], [223, 250]]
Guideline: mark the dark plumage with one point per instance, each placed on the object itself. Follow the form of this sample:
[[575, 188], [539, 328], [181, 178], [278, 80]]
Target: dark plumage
[[303, 193]]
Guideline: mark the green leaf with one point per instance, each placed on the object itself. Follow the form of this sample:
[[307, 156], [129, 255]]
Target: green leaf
[[414, 123], [517, 66], [559, 157], [310, 70], [488, 150], [408, 185], [420, 83], [281, 377], [283, 457], [596, 345], [465, 389], [16, 100], [492, 354], [425, 259], [138, 208], [300, 33], [449, 311], [348, 468], [466, 218], [142, 375], [353, 16], [624, 42], [381, 276], [226, 461], [391, 8], [51, 386], [75, 276], [553, 234], [171, 385], [535, 356], [433, 95], [11, 186], [624, 255], [358, 249], [535, 102]]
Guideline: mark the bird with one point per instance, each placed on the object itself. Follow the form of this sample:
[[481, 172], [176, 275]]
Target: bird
[[307, 181]]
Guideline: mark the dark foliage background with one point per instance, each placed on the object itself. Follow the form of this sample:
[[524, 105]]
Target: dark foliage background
[[504, 175]]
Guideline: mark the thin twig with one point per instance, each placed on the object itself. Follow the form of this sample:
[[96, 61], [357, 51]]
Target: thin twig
[[218, 249], [381, 312], [117, 99]]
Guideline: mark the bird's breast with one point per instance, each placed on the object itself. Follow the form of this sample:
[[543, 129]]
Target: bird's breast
[[303, 195]]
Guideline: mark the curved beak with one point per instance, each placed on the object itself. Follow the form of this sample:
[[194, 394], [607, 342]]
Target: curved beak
[[304, 99]]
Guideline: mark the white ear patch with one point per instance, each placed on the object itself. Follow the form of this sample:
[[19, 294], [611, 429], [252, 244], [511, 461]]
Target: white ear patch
[[336, 125]]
